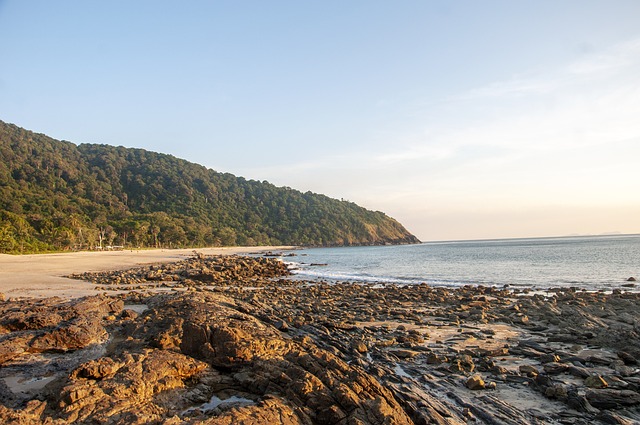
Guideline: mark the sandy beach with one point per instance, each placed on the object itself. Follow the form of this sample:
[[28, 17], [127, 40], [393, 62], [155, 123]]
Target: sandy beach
[[42, 275]]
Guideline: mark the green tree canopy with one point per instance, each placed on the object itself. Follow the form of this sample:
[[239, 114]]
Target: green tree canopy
[[55, 195]]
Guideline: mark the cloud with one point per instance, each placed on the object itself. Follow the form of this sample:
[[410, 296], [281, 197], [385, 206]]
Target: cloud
[[592, 101], [616, 59], [566, 139]]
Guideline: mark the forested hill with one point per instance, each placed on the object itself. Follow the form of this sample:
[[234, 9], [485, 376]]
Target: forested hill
[[56, 195]]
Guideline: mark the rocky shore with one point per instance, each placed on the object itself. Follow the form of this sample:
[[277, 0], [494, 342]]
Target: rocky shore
[[231, 340]]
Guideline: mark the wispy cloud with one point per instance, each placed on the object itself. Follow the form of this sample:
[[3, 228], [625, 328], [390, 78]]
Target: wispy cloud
[[616, 59], [592, 101], [568, 137]]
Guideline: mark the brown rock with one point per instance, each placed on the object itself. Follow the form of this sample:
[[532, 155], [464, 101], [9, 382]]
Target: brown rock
[[129, 314], [80, 333], [97, 369], [360, 346], [463, 364], [12, 347], [433, 358], [272, 410], [223, 345], [528, 370], [404, 354], [130, 390], [475, 382]]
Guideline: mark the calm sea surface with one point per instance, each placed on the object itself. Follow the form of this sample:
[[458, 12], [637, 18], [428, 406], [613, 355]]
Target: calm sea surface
[[603, 262]]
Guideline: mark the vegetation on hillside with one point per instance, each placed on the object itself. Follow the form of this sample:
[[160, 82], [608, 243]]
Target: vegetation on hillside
[[55, 195]]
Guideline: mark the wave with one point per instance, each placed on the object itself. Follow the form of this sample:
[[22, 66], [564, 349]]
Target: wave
[[366, 278], [588, 263]]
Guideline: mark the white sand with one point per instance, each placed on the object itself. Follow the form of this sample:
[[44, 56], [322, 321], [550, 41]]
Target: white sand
[[41, 275]]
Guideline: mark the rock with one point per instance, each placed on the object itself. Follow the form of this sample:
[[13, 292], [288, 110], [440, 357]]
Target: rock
[[613, 418], [528, 370], [271, 410], [558, 391], [580, 372], [617, 383], [631, 279], [549, 358], [627, 318], [463, 364], [475, 382], [360, 346], [555, 368], [499, 370], [130, 390], [97, 369], [262, 362], [623, 370], [385, 342], [11, 348], [404, 354], [129, 314], [627, 358], [281, 325], [74, 335], [579, 402], [433, 358], [612, 399], [595, 381]]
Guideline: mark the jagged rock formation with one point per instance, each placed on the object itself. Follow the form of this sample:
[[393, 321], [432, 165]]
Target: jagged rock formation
[[170, 364]]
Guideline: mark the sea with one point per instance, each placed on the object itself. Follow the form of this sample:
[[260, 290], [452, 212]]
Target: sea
[[591, 263]]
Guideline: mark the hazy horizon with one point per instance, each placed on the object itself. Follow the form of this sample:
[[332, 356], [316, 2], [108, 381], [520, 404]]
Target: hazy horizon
[[602, 235], [462, 120]]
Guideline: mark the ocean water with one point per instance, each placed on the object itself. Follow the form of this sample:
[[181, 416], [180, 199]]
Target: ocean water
[[593, 263]]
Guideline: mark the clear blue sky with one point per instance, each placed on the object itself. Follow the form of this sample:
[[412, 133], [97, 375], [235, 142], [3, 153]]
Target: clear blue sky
[[462, 119]]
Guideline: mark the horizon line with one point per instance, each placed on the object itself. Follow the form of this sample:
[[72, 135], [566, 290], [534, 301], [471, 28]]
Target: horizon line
[[601, 235]]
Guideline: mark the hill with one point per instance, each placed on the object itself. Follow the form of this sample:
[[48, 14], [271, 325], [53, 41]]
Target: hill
[[55, 195]]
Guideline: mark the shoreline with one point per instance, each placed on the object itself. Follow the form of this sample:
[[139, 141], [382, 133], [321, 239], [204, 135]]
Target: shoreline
[[226, 339], [42, 275]]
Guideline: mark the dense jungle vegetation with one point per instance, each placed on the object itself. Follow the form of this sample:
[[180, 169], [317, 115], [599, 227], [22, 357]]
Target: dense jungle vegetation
[[56, 196]]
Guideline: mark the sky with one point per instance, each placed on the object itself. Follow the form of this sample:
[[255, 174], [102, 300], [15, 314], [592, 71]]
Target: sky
[[461, 119]]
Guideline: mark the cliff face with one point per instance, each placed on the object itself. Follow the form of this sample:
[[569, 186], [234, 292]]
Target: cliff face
[[55, 195]]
